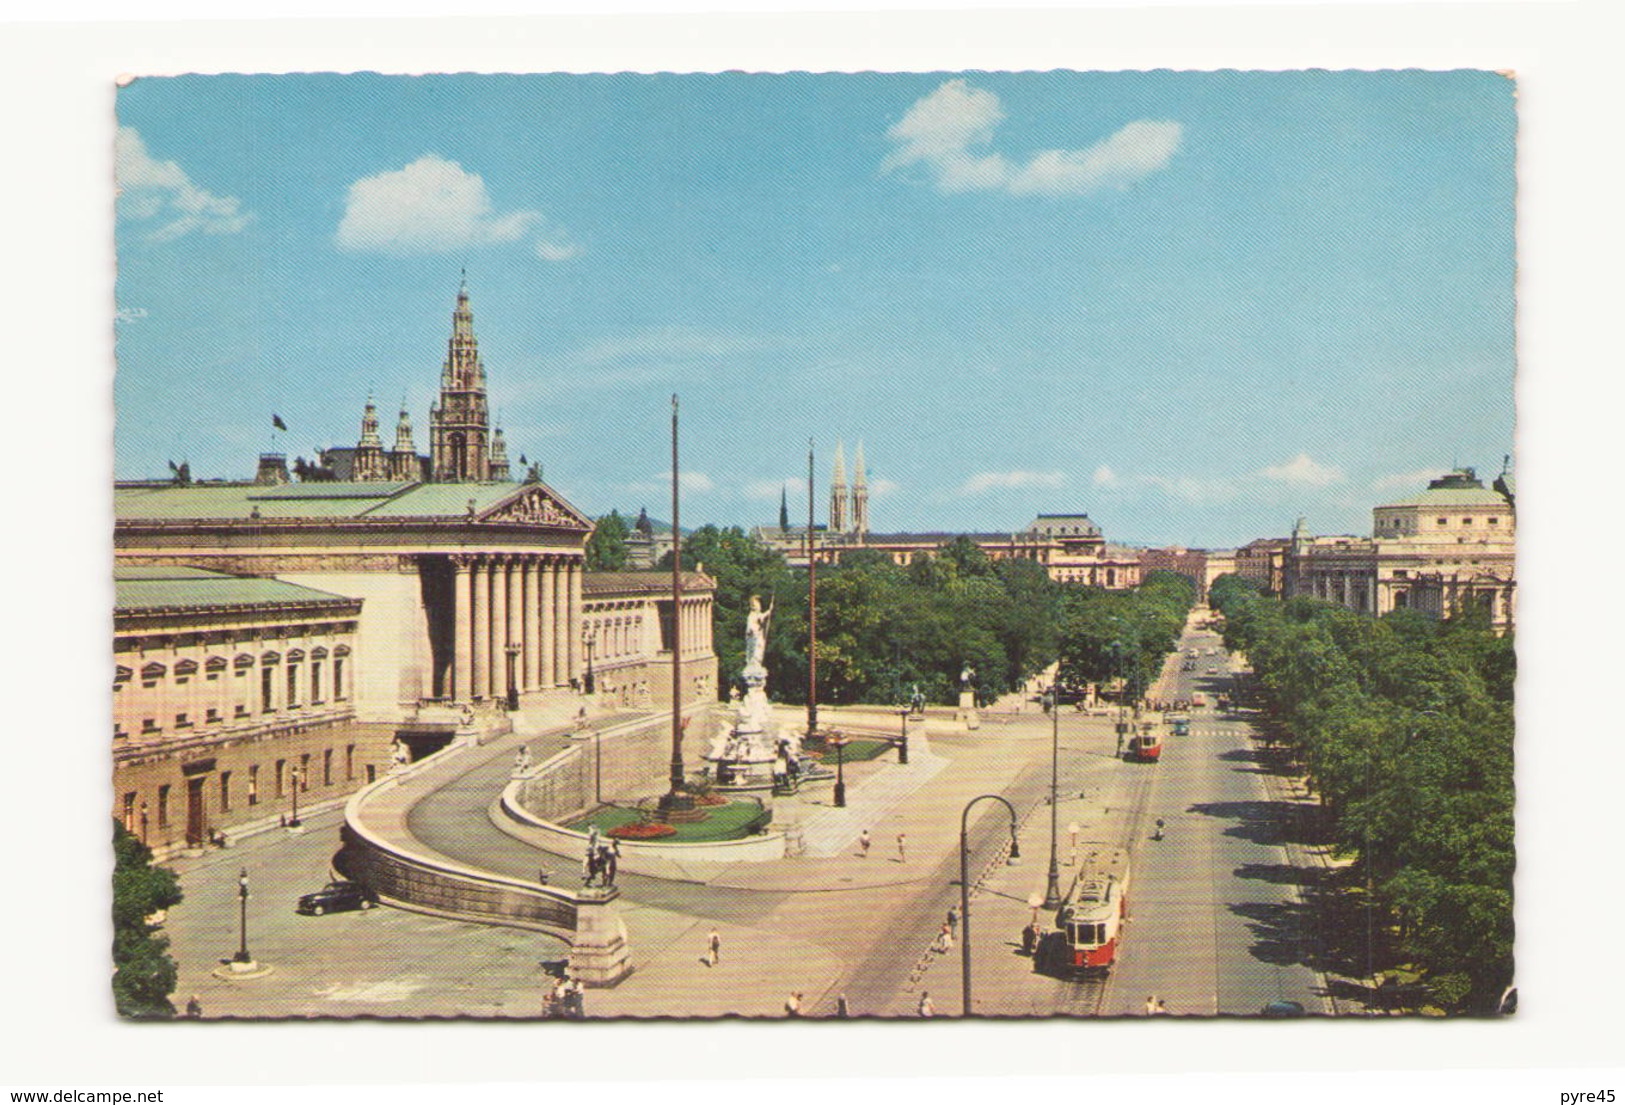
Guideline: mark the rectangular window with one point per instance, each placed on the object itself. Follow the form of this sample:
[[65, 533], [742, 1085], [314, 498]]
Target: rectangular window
[[1494, 520], [315, 682], [225, 791], [327, 768], [129, 811], [242, 710], [1443, 522], [304, 772], [293, 685], [338, 677], [163, 806], [212, 716], [181, 722], [266, 704], [349, 762], [278, 777], [150, 725], [253, 784]]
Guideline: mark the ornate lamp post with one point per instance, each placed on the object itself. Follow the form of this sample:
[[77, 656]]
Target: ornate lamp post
[[840, 771], [902, 736], [1052, 889], [964, 886], [512, 649], [242, 955]]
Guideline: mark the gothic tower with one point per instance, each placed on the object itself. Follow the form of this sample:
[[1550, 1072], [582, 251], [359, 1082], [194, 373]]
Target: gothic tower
[[403, 459], [370, 463], [499, 457], [860, 495], [837, 492], [459, 425]]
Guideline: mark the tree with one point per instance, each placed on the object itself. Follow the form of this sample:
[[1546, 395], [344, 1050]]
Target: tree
[[143, 972], [606, 548]]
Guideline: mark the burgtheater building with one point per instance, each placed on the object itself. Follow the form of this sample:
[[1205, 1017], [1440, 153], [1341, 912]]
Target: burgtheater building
[[1448, 548], [266, 627]]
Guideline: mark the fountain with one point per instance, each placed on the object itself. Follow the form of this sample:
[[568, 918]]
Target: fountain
[[749, 750]]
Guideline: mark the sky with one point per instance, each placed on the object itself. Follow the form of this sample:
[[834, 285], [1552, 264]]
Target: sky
[[1195, 306]]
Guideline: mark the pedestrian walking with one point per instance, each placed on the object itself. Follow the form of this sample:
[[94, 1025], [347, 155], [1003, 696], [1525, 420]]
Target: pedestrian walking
[[863, 844], [953, 919], [926, 1009], [841, 1009], [194, 1007], [792, 1005], [902, 847], [1162, 1008], [1150, 1004], [713, 945]]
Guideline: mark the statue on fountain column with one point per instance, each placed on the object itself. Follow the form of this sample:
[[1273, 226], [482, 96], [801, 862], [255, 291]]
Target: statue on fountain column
[[756, 627]]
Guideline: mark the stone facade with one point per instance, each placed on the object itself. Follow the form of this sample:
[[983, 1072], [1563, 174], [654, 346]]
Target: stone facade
[[1200, 566], [1451, 546], [626, 632]]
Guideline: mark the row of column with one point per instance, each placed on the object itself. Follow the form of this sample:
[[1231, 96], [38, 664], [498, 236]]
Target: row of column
[[696, 615], [526, 600]]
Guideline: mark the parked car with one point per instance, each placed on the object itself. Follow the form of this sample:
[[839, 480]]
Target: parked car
[[336, 897], [1282, 1009]]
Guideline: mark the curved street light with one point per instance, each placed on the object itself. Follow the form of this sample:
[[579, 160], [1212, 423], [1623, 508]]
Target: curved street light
[[964, 885]]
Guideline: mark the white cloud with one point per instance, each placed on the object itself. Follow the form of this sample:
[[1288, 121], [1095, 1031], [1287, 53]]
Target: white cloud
[[436, 206], [1304, 472], [1407, 481], [1105, 477], [882, 487], [949, 131], [160, 190], [987, 481]]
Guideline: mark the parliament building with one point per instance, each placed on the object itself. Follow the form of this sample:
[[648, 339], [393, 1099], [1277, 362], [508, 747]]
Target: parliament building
[[297, 630]]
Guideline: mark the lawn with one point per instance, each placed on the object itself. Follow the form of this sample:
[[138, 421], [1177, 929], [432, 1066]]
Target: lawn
[[857, 750], [733, 821]]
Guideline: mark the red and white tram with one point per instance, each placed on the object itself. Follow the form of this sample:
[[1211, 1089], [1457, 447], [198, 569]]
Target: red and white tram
[[1089, 924]]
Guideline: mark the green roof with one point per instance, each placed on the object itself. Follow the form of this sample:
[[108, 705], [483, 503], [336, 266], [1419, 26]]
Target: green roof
[[309, 500], [1453, 497], [148, 588]]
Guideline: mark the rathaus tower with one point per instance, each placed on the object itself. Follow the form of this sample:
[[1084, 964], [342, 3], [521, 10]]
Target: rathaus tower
[[460, 424]]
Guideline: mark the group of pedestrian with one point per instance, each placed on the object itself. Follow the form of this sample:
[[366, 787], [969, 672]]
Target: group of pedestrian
[[601, 861], [1155, 1006], [568, 998]]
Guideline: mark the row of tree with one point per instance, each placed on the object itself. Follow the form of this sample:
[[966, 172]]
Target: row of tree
[[143, 972], [1121, 637], [1404, 725]]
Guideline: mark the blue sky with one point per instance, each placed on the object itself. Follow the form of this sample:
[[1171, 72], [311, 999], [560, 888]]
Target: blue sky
[[1194, 305]]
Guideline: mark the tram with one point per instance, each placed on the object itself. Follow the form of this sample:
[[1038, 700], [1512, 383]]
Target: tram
[[1145, 746], [1089, 924]]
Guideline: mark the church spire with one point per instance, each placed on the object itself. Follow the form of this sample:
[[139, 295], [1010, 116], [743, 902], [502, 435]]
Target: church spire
[[784, 509], [369, 463], [860, 493], [459, 425], [837, 492], [403, 459]]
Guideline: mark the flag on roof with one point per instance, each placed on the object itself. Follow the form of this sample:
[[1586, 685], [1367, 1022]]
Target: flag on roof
[[276, 420]]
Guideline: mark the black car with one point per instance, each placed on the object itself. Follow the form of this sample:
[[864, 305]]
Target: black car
[[336, 897]]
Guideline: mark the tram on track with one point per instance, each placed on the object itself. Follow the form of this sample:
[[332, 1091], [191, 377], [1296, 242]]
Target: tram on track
[[1089, 923], [1145, 746]]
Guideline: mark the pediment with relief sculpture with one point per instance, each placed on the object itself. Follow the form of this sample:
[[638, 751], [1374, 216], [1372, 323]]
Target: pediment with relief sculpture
[[535, 505]]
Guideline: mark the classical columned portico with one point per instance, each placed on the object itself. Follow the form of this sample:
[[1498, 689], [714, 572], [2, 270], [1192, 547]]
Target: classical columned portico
[[532, 629], [573, 626], [548, 613], [480, 640], [499, 626]]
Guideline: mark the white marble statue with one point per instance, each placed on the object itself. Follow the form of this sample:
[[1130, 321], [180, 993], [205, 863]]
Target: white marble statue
[[756, 626]]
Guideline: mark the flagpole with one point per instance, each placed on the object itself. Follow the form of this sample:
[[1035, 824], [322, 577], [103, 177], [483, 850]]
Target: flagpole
[[676, 800]]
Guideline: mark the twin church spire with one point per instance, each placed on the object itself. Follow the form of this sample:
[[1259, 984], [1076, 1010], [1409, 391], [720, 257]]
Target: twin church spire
[[849, 507]]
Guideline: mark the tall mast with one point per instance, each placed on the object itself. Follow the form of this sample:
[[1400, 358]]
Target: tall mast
[[812, 606], [676, 621]]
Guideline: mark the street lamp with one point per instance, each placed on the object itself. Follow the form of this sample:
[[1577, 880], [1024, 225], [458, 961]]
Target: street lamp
[[840, 771], [1052, 889], [1072, 830], [589, 638], [964, 885], [512, 649], [295, 774], [242, 955], [902, 736]]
